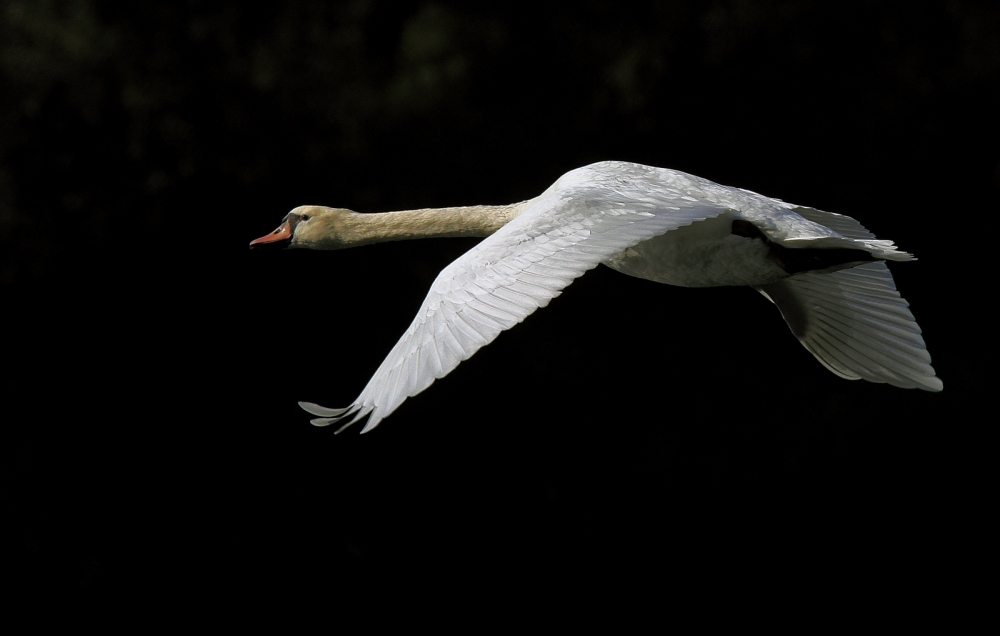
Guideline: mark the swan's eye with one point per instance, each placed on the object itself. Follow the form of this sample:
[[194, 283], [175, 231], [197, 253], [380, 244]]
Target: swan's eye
[[304, 217]]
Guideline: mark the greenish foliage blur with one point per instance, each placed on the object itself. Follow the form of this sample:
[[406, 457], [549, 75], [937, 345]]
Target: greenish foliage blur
[[119, 117]]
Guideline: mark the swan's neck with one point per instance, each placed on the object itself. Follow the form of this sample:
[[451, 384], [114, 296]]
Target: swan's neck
[[479, 220]]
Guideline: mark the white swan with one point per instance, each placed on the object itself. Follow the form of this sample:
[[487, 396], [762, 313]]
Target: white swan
[[824, 271]]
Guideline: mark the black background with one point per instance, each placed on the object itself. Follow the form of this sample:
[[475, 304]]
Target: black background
[[631, 439]]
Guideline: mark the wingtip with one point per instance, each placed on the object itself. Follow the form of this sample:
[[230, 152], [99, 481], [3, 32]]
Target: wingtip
[[932, 384], [321, 411]]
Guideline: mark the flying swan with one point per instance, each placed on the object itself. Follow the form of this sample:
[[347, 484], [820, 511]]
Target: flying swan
[[825, 272]]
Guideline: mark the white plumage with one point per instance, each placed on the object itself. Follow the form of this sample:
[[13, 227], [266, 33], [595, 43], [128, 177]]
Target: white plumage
[[819, 268]]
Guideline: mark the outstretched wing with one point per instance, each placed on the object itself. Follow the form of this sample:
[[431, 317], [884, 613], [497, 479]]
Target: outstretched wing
[[584, 218], [855, 323]]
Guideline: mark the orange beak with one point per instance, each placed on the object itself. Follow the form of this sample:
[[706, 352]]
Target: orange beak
[[284, 232]]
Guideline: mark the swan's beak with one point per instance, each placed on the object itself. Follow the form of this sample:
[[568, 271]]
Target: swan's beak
[[283, 233]]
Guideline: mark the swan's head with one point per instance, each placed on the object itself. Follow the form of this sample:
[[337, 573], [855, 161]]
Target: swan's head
[[313, 227]]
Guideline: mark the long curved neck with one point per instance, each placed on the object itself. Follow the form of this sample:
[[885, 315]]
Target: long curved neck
[[478, 220]]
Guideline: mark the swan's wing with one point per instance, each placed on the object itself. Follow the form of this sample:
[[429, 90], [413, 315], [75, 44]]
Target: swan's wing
[[580, 221], [855, 323]]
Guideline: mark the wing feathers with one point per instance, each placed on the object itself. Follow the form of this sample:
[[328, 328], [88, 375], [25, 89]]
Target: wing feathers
[[855, 323], [323, 411], [497, 284]]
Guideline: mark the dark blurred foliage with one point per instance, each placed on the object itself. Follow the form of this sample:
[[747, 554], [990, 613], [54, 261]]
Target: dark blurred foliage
[[630, 439]]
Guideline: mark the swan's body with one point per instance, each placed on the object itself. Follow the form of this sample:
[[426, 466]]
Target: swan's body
[[824, 271]]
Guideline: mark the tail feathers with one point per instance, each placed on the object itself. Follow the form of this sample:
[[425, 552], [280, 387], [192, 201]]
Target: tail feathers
[[860, 237], [885, 250]]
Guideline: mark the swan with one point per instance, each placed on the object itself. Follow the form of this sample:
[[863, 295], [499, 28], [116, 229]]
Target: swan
[[824, 271]]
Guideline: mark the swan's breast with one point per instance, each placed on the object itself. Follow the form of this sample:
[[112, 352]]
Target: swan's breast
[[703, 254]]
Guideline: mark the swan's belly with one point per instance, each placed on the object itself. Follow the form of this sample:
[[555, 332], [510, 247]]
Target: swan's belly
[[703, 254]]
